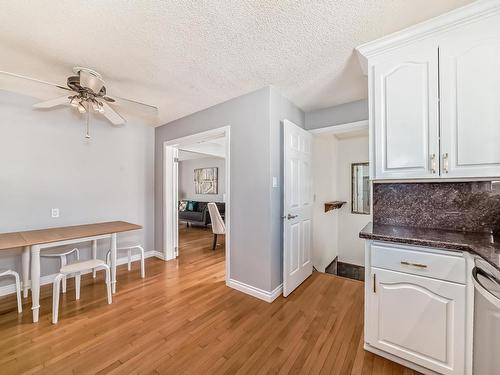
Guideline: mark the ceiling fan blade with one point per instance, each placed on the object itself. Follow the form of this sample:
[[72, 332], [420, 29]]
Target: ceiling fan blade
[[136, 105], [111, 115], [34, 80], [63, 100]]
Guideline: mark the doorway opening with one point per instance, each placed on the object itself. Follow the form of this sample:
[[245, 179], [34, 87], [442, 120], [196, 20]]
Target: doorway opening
[[341, 177], [197, 197], [326, 201]]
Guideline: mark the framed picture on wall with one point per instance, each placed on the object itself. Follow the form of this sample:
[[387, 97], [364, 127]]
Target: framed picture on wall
[[206, 180]]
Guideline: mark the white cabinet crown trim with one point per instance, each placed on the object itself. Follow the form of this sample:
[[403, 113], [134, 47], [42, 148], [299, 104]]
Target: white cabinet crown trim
[[439, 24], [433, 93]]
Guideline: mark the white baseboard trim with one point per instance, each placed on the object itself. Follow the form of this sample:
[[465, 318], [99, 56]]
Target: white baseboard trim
[[255, 292], [278, 291], [159, 254], [49, 279]]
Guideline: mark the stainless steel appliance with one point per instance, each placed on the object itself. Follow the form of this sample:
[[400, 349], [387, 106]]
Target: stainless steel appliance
[[486, 359]]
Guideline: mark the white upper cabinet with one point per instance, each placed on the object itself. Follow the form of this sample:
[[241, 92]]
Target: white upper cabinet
[[469, 60], [434, 94], [405, 113]]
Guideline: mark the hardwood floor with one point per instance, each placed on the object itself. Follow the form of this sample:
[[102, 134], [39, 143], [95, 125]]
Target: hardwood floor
[[182, 319]]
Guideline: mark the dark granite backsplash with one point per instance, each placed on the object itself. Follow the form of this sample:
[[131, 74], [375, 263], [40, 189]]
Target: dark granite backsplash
[[459, 206]]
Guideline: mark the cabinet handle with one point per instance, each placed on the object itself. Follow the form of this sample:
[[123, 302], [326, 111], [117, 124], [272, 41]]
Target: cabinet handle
[[445, 162], [418, 265], [433, 163], [374, 283]]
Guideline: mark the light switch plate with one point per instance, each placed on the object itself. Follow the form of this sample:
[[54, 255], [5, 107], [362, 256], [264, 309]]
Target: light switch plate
[[275, 182], [55, 212]]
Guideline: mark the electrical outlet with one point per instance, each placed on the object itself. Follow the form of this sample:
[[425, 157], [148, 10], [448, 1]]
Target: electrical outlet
[[55, 212]]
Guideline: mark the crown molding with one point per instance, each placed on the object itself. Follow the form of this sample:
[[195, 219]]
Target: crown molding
[[455, 18]]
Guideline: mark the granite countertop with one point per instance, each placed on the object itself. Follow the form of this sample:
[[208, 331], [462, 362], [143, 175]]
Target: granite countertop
[[482, 244]]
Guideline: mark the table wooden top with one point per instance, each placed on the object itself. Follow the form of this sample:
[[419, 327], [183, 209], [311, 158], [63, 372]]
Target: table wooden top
[[41, 236]]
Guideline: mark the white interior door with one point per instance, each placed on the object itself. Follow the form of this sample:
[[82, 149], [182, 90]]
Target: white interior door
[[297, 206]]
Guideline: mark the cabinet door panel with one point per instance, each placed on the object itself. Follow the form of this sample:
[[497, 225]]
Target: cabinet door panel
[[418, 319], [406, 114], [470, 100]]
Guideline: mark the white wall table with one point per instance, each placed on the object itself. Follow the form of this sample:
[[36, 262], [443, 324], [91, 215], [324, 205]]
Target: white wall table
[[35, 241]]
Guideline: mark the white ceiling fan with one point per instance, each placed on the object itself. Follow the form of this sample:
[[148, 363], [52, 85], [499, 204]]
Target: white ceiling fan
[[88, 93]]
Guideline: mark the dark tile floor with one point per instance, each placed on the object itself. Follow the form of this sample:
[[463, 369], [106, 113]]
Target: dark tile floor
[[348, 270]]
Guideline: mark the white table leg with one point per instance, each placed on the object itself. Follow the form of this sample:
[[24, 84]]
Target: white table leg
[[64, 261], [25, 260], [94, 255], [35, 281], [113, 262]]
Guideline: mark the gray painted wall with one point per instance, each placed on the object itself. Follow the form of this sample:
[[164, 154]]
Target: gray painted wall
[[248, 117], [280, 108], [186, 179], [255, 121], [45, 163], [111, 177], [337, 115]]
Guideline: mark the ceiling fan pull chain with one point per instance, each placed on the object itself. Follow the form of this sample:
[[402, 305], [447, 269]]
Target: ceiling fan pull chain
[[88, 124]]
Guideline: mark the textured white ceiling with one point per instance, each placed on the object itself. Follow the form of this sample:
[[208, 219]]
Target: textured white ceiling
[[184, 56]]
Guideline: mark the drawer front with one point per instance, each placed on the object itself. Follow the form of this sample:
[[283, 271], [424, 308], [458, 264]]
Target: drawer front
[[428, 263]]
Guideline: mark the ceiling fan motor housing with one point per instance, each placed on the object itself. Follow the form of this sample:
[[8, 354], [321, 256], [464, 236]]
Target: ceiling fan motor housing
[[87, 79], [73, 83]]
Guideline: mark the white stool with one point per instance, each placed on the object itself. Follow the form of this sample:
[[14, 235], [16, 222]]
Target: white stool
[[129, 249], [63, 255], [4, 272], [77, 268]]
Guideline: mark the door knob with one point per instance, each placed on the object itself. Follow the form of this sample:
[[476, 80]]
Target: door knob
[[290, 217]]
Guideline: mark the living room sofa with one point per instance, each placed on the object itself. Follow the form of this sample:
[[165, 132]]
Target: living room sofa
[[198, 214]]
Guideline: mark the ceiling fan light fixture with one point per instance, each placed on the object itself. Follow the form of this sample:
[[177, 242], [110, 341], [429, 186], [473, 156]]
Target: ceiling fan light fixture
[[81, 107], [95, 105], [73, 101]]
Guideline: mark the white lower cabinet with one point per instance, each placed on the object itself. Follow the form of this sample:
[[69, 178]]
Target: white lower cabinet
[[416, 318]]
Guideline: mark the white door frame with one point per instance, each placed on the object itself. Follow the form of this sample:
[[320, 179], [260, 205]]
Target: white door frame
[[170, 184]]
